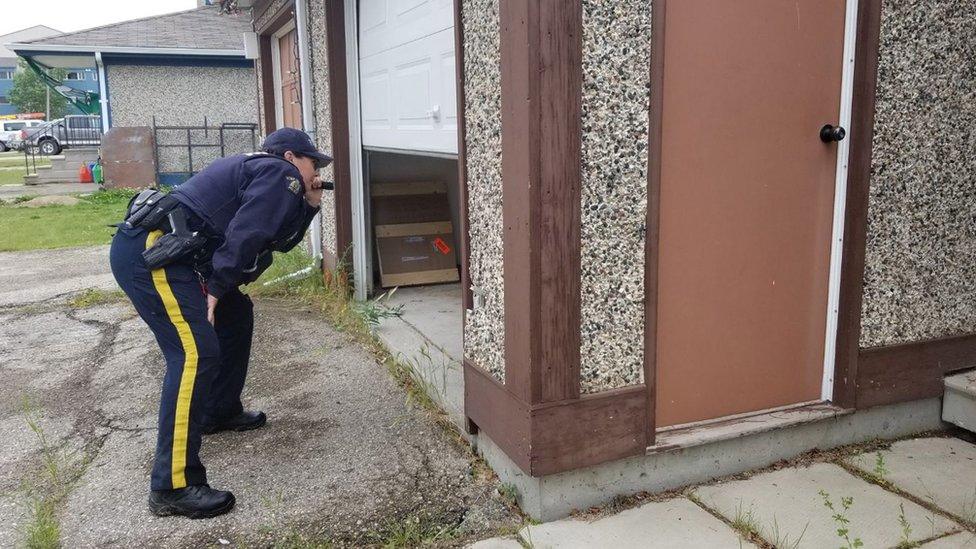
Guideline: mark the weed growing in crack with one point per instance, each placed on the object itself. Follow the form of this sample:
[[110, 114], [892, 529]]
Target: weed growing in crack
[[906, 530], [509, 494], [783, 540], [840, 519], [745, 521], [44, 491], [375, 310], [880, 470]]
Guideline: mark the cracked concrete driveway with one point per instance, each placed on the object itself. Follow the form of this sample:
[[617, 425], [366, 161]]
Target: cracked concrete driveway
[[343, 455]]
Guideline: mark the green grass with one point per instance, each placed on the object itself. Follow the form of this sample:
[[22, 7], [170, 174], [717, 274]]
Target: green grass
[[94, 296], [84, 224], [12, 176]]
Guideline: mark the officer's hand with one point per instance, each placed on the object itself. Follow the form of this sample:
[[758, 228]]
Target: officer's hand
[[211, 307], [313, 193]]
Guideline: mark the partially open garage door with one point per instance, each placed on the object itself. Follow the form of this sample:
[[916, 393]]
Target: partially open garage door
[[407, 75]]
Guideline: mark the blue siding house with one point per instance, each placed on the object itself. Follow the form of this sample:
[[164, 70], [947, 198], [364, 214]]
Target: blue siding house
[[79, 78]]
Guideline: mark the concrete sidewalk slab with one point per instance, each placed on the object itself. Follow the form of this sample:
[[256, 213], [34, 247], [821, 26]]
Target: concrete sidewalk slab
[[962, 540], [787, 503], [939, 470], [676, 523]]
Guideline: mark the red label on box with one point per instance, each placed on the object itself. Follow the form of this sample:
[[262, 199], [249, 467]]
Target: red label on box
[[442, 246]]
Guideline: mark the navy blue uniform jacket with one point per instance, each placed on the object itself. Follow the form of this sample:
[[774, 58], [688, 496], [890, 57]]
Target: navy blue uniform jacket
[[248, 203]]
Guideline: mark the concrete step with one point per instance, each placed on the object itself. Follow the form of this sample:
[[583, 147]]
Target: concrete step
[[959, 402], [88, 154]]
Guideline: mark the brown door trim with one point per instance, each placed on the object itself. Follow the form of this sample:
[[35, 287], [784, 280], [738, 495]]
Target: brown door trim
[[265, 35], [652, 221], [466, 294], [855, 217], [339, 109]]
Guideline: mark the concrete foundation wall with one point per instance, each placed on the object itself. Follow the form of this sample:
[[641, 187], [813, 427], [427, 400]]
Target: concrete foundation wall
[[556, 496], [919, 268], [484, 330]]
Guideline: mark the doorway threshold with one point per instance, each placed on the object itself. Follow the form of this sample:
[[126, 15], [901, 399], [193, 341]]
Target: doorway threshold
[[426, 338], [679, 437]]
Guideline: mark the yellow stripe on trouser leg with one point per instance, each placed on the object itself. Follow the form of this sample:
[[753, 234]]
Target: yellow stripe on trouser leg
[[182, 424]]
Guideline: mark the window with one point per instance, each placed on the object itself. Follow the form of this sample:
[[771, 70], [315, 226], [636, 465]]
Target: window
[[94, 76], [6, 74], [4, 100], [75, 75], [14, 126]]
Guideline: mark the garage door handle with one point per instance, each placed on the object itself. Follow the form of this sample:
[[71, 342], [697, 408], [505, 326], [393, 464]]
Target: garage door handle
[[829, 134], [434, 112]]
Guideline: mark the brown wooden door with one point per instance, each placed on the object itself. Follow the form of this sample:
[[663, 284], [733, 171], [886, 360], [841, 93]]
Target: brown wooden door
[[747, 191], [291, 105]]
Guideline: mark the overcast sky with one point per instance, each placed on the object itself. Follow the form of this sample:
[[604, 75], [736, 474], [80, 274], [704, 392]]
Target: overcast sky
[[72, 15]]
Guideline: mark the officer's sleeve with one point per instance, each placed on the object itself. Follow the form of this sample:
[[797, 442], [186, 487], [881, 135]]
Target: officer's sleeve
[[268, 203]]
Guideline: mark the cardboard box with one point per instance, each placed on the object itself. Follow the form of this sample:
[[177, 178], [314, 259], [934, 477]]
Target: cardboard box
[[422, 253]]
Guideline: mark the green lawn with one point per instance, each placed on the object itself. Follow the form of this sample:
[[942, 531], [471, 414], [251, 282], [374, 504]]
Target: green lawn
[[12, 176], [15, 159], [84, 224], [12, 167]]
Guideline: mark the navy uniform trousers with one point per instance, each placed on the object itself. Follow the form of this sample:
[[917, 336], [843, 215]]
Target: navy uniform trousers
[[205, 367]]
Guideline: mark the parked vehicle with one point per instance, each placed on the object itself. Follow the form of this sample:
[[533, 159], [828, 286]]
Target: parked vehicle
[[64, 133], [10, 133]]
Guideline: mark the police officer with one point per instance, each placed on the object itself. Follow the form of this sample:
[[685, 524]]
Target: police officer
[[180, 258]]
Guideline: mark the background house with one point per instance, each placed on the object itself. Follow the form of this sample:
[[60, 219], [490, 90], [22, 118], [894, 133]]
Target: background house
[[80, 78], [186, 70]]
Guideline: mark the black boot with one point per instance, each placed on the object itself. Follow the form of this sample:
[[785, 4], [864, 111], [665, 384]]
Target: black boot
[[196, 502], [244, 421]]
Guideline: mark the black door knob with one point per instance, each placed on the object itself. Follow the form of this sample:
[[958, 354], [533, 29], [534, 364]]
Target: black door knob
[[830, 133]]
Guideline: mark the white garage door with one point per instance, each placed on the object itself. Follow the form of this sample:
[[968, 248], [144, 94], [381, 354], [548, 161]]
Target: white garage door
[[407, 73]]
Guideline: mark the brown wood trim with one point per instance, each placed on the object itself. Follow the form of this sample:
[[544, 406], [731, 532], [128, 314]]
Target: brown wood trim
[[542, 82], [652, 221], [858, 186], [560, 50], [267, 86], [900, 373], [520, 149], [339, 110], [467, 298], [280, 18], [495, 410], [267, 95], [554, 437], [587, 431]]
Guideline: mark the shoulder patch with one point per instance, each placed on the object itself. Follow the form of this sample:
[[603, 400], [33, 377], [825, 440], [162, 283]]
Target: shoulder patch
[[294, 185]]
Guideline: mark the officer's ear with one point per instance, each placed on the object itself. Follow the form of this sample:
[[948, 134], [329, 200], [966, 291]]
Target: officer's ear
[[289, 156]]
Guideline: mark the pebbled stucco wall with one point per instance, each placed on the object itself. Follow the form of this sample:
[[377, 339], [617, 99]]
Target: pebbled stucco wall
[[920, 263], [484, 330], [616, 99], [322, 132], [178, 96]]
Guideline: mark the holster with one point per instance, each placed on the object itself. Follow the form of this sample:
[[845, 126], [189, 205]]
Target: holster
[[152, 210]]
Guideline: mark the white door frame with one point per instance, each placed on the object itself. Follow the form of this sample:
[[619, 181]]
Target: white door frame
[[276, 70], [361, 253], [840, 201]]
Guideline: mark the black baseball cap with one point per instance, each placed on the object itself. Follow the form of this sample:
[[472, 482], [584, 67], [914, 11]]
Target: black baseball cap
[[296, 141]]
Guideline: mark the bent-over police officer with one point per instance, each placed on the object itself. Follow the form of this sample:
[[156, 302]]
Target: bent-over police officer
[[180, 258]]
